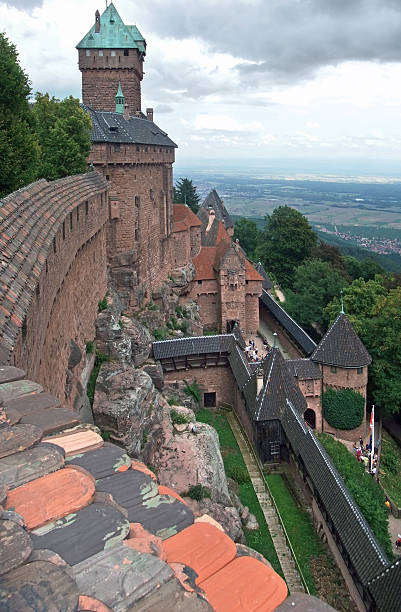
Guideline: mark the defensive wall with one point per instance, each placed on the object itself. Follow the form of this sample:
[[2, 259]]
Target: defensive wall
[[53, 258]]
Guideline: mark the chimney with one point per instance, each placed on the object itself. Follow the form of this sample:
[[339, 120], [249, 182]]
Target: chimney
[[97, 22], [126, 112], [149, 114]]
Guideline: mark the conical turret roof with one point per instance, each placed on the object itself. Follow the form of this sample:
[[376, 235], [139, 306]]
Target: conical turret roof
[[341, 346], [278, 386]]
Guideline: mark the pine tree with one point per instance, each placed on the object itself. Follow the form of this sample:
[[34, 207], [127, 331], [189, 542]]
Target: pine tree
[[185, 193], [18, 143]]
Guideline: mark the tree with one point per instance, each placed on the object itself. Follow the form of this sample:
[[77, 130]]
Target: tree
[[287, 240], [332, 255], [359, 299], [382, 338], [185, 193], [246, 231], [315, 284], [63, 130], [18, 143]]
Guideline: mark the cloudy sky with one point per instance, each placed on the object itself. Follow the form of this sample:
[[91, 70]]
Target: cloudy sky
[[242, 78]]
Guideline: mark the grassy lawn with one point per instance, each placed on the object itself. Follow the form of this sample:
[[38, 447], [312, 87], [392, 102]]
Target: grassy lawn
[[235, 467], [321, 574], [301, 532], [390, 468]]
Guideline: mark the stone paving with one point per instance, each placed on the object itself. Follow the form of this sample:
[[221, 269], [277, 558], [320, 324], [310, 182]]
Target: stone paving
[[287, 563]]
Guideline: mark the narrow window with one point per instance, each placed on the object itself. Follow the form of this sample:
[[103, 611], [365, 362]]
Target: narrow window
[[126, 52], [63, 230], [137, 201], [136, 235], [113, 54], [209, 400], [77, 213], [38, 290], [146, 149], [86, 207], [117, 146], [107, 177], [47, 267], [359, 370], [333, 369], [54, 245], [100, 52], [199, 282], [88, 53], [70, 220], [138, 148]]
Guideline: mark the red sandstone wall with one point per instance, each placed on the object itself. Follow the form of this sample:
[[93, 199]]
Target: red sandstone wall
[[195, 241], [208, 298], [252, 311], [101, 75], [181, 249], [217, 379], [64, 308], [139, 242]]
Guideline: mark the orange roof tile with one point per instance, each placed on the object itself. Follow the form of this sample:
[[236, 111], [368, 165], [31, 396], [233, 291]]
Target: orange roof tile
[[251, 273], [245, 585], [184, 218], [202, 547], [204, 263]]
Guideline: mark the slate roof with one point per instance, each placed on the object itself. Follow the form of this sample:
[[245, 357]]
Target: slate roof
[[113, 34], [267, 284], [278, 387], [291, 327], [239, 366], [341, 346], [114, 128], [213, 201], [364, 551], [195, 345], [29, 220], [386, 588], [303, 369]]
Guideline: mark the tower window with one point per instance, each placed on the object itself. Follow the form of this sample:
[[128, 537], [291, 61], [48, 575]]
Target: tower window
[[87, 52], [107, 177], [100, 52], [86, 207], [113, 53], [117, 146], [333, 369], [138, 148], [126, 52], [359, 370], [137, 201]]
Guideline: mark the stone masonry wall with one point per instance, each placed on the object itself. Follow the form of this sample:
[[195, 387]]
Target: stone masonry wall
[[63, 307], [102, 74], [139, 236], [252, 310], [217, 379], [205, 293]]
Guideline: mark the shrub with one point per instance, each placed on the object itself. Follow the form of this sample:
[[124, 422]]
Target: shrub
[[178, 418], [179, 311], [152, 306], [193, 390], [238, 473], [90, 390], [343, 409], [90, 347], [197, 492], [389, 457], [173, 401], [364, 489], [173, 323], [160, 333], [102, 305], [184, 326]]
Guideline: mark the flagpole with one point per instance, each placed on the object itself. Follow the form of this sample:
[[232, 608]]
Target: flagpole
[[373, 438]]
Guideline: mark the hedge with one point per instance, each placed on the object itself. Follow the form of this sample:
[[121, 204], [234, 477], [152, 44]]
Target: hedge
[[364, 489], [343, 409]]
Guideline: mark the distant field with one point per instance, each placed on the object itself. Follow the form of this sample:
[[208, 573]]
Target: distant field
[[324, 202]]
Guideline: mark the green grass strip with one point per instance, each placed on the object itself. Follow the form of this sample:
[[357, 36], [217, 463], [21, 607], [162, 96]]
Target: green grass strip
[[298, 525], [390, 468], [234, 466]]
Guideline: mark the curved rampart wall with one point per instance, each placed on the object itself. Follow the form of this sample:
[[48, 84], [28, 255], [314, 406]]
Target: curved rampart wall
[[53, 258]]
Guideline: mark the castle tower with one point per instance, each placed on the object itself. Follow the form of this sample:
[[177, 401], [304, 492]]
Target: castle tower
[[111, 58]]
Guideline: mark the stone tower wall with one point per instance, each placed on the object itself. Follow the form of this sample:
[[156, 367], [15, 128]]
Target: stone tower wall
[[101, 75]]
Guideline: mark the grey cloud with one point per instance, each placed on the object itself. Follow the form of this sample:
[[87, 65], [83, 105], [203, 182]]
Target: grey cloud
[[288, 39], [24, 4], [164, 108]]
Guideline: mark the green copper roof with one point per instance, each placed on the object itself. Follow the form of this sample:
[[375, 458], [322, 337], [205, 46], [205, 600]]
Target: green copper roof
[[113, 34], [119, 93]]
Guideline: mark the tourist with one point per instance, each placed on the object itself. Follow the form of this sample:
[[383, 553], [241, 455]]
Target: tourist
[[361, 442], [358, 454], [398, 541]]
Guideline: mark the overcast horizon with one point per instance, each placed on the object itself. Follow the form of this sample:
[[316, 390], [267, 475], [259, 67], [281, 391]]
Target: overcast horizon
[[287, 79]]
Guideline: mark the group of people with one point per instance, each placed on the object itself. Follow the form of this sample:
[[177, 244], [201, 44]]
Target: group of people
[[252, 351], [364, 454]]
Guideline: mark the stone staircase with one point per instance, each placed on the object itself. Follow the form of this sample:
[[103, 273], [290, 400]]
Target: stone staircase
[[284, 555]]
